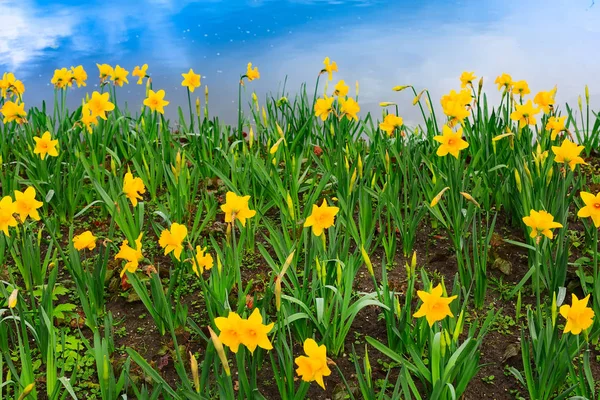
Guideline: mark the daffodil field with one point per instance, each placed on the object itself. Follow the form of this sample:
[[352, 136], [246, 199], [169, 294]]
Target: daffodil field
[[308, 251]]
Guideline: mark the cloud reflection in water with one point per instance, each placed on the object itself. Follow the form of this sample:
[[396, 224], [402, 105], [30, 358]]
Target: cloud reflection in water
[[378, 43]]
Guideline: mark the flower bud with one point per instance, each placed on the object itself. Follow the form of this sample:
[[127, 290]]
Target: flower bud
[[352, 181], [359, 164], [205, 101], [367, 260], [318, 268], [418, 97], [194, 368], [549, 176], [459, 327], [220, 351], [518, 180], [368, 370], [400, 88], [28, 389], [587, 95], [278, 292], [413, 264], [438, 197], [275, 147], [290, 205], [470, 198], [105, 369], [219, 265], [387, 162], [528, 173], [287, 263], [281, 102], [12, 299]]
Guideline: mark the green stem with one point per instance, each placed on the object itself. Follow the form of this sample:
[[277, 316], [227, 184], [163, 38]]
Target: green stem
[[596, 277], [190, 107], [239, 132]]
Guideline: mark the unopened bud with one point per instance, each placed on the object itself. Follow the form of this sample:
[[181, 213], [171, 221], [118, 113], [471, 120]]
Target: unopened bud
[[438, 197], [367, 260], [278, 293], [368, 369], [290, 205], [549, 176], [459, 327], [12, 299], [528, 173], [28, 389], [470, 198], [352, 181], [275, 147], [220, 351], [400, 88], [219, 265], [413, 263], [387, 162], [418, 97], [518, 180], [194, 368], [359, 163], [105, 369]]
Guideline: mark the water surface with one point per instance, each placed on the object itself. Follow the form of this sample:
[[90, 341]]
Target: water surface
[[378, 43]]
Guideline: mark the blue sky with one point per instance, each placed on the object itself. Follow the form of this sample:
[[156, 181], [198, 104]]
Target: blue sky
[[379, 43]]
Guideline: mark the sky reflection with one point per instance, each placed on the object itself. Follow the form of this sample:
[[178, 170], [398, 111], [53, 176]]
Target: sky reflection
[[379, 43]]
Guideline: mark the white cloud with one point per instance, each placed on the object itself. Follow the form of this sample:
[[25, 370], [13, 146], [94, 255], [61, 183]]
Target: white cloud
[[546, 43], [25, 33]]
